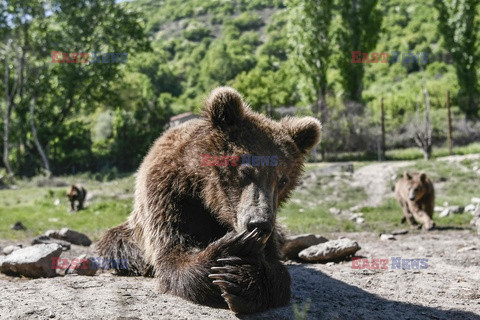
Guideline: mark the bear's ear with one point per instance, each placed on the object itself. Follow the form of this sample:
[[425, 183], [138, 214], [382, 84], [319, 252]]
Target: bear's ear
[[305, 132], [423, 176], [407, 175], [224, 106]]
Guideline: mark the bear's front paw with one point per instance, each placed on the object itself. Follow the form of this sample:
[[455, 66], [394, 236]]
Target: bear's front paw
[[244, 244], [241, 282]]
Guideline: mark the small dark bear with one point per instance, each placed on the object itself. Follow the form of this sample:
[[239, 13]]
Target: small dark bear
[[209, 232], [76, 193], [416, 195]]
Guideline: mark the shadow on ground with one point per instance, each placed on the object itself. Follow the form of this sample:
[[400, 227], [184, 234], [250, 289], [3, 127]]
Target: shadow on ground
[[328, 298]]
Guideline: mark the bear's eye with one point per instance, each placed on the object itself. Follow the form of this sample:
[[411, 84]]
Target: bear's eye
[[247, 172], [283, 182]]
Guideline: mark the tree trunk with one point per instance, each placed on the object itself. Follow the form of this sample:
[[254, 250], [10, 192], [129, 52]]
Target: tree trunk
[[6, 142], [382, 125], [44, 157], [449, 125], [428, 131], [9, 106]]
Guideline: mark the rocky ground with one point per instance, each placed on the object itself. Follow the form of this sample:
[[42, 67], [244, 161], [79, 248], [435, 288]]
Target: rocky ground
[[448, 289]]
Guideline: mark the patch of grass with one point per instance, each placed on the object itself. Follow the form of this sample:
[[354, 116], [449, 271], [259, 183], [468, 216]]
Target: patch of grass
[[416, 154], [43, 208], [454, 183], [404, 154], [308, 211]]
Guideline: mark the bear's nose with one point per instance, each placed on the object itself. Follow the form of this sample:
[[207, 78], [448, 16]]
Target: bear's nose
[[263, 226]]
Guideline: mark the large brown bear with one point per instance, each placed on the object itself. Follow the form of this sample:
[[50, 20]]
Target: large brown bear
[[416, 195], [209, 231]]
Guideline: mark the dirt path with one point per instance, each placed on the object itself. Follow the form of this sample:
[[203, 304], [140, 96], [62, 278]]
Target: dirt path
[[374, 179], [447, 289]]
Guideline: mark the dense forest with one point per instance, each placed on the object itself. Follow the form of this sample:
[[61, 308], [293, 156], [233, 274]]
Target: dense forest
[[284, 56]]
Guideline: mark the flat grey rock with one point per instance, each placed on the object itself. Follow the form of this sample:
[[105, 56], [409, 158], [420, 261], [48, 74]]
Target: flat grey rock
[[332, 250], [294, 244], [387, 237], [32, 262], [399, 232]]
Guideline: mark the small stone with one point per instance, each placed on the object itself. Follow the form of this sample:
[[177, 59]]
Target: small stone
[[359, 220], [332, 250], [43, 239], [82, 265], [9, 249], [456, 209], [51, 314], [399, 232], [294, 244], [386, 237], [301, 210], [466, 249], [444, 213], [470, 208], [18, 226], [56, 202], [32, 262], [335, 211]]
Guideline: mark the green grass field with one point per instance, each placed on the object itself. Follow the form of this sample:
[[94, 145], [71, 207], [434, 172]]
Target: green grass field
[[46, 207]]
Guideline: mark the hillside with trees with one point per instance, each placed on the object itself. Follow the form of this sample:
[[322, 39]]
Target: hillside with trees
[[284, 56]]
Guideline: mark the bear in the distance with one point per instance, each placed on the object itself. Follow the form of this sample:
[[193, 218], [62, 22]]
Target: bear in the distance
[[76, 193], [209, 233], [416, 195]]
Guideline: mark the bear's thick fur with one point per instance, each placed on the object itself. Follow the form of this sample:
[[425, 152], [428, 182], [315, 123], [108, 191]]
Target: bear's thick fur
[[416, 195], [209, 232]]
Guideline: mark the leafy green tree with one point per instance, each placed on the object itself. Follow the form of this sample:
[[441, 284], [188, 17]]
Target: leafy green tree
[[309, 32], [358, 30], [62, 91], [265, 88], [458, 24]]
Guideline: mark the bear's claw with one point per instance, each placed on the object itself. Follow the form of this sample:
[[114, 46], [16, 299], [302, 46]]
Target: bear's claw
[[235, 303]]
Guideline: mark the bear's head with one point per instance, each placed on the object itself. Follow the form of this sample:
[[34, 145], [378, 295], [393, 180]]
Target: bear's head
[[264, 159], [416, 185], [72, 193]]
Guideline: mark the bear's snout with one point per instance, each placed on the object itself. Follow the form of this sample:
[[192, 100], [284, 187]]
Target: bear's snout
[[264, 227]]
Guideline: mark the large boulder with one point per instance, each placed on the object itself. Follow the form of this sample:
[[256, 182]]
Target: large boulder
[[294, 244], [333, 250], [32, 262], [70, 236]]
